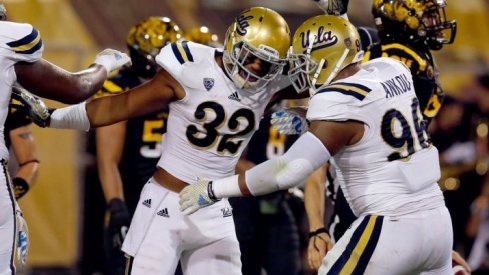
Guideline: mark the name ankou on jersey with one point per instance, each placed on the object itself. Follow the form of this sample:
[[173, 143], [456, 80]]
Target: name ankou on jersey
[[397, 85]]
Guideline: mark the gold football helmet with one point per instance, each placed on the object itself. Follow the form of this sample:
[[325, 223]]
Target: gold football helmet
[[321, 47], [145, 40], [418, 20], [256, 33], [202, 35]]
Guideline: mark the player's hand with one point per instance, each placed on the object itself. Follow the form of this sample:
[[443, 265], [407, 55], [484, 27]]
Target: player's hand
[[290, 121], [119, 221], [457, 260], [196, 196], [319, 244], [112, 59], [32, 105]]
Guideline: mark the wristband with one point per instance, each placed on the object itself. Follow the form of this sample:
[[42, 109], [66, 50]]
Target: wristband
[[71, 117], [224, 188], [210, 192], [317, 232], [20, 187]]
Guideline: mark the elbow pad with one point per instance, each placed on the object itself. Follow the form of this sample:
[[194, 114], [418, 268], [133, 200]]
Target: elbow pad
[[305, 156]]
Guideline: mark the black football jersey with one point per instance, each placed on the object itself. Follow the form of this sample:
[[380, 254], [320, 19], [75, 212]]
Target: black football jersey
[[16, 118]]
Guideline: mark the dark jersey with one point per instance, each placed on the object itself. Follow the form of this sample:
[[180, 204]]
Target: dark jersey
[[142, 146], [422, 67], [16, 118]]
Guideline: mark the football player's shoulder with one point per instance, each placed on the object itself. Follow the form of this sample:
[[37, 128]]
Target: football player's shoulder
[[178, 55], [409, 55], [22, 39]]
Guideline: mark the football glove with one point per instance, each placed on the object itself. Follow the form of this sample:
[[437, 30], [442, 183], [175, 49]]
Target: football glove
[[112, 59], [32, 105], [291, 121], [196, 196], [119, 220]]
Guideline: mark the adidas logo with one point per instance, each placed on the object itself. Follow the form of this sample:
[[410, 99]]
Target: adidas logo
[[234, 96], [163, 212], [147, 203]]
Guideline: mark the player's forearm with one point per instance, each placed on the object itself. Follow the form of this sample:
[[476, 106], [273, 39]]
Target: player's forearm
[[314, 199], [111, 182], [304, 157], [28, 172]]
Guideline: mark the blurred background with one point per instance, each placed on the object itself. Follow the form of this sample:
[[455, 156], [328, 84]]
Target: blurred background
[[75, 30]]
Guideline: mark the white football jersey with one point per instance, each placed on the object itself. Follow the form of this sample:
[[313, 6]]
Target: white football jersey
[[18, 42], [209, 128], [394, 168]]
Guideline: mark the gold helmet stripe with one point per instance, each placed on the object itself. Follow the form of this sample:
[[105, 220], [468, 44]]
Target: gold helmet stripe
[[28, 44]]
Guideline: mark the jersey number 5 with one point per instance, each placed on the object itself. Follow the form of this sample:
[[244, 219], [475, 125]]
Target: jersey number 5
[[403, 141], [211, 128]]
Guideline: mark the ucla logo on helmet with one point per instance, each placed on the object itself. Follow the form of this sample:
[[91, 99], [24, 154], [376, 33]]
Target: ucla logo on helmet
[[322, 39], [242, 23], [208, 83]]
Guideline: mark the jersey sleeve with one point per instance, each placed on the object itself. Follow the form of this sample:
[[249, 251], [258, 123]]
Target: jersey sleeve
[[109, 88], [340, 101], [173, 58], [23, 41]]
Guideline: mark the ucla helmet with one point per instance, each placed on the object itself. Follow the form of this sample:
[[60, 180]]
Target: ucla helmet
[[321, 47], [415, 20], [256, 33], [145, 40], [202, 35]]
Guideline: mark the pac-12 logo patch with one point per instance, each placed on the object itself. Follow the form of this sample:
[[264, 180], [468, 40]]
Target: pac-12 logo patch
[[208, 83]]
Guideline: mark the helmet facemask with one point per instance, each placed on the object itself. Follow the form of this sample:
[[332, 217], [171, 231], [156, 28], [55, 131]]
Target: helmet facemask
[[435, 27], [255, 48], [243, 54], [302, 66]]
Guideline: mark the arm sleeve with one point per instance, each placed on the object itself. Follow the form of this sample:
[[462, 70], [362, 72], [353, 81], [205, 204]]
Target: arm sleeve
[[305, 156]]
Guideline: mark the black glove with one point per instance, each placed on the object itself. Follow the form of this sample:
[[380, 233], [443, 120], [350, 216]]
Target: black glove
[[119, 220], [20, 187], [32, 106]]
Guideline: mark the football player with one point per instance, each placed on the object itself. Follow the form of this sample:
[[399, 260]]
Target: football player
[[408, 31], [365, 118], [216, 99], [135, 143], [21, 49], [19, 138]]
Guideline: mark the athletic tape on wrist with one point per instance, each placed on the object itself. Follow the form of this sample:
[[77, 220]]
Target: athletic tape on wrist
[[71, 117]]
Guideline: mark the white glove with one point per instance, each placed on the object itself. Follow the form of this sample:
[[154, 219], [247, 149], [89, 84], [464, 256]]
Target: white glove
[[112, 59], [290, 121], [196, 196]]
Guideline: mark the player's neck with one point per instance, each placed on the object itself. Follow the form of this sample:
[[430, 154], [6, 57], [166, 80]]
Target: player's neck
[[348, 71]]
